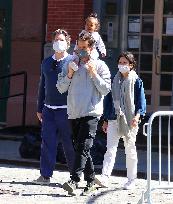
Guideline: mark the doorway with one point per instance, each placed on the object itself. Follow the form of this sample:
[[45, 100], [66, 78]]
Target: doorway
[[150, 38], [5, 25], [109, 12]]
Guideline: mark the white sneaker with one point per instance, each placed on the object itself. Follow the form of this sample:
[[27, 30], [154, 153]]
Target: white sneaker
[[102, 181], [129, 185], [42, 181]]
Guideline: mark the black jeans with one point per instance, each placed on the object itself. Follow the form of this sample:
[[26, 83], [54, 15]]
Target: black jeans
[[83, 134]]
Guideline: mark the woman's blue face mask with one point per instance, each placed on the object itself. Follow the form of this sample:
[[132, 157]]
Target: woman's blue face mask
[[82, 53]]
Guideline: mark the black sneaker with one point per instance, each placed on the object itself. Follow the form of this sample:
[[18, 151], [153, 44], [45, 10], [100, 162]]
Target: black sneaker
[[70, 186], [90, 188]]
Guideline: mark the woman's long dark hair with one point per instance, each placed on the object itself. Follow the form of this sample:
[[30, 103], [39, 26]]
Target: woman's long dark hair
[[130, 57]]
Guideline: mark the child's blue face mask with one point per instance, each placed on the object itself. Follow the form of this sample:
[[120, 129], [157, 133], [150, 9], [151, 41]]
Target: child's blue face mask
[[82, 53]]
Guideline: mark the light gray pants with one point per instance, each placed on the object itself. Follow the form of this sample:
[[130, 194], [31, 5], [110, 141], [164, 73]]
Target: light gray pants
[[130, 151]]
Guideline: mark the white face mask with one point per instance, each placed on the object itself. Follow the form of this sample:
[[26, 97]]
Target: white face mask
[[60, 46], [123, 68]]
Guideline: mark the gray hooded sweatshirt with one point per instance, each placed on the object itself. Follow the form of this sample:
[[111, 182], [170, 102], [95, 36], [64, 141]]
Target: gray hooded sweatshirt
[[85, 94]]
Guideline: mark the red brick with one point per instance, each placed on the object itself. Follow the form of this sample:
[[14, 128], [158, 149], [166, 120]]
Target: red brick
[[67, 14]]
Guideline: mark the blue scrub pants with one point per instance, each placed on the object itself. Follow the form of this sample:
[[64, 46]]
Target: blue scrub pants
[[55, 129]]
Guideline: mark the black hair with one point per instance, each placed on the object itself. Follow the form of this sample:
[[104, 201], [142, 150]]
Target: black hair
[[86, 36], [130, 57]]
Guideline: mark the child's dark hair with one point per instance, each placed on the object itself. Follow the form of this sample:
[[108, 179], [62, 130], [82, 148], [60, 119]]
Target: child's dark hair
[[94, 15], [64, 32], [130, 57], [87, 37]]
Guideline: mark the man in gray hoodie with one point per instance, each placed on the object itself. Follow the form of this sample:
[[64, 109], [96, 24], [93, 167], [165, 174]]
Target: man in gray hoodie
[[87, 81]]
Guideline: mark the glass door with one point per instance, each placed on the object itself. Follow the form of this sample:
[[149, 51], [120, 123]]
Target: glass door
[[164, 59], [150, 38], [109, 15]]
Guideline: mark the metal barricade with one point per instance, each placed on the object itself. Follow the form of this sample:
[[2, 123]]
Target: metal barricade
[[146, 196]]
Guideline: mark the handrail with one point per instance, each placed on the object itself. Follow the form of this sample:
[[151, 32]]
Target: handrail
[[24, 93]]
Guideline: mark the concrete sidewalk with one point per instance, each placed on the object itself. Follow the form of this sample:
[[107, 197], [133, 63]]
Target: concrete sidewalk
[[9, 153], [16, 188]]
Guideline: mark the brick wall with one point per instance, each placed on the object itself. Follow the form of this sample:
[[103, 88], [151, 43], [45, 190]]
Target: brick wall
[[67, 14], [26, 54]]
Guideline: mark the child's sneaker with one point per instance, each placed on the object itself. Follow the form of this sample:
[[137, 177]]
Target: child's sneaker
[[102, 181], [42, 180], [129, 185]]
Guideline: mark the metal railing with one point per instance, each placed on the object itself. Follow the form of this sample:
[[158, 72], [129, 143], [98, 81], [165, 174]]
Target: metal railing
[[147, 195], [24, 93]]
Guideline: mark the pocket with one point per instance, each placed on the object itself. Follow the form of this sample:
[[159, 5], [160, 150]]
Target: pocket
[[93, 127]]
